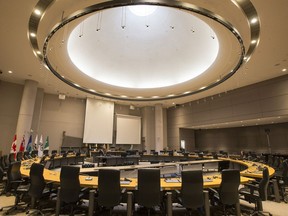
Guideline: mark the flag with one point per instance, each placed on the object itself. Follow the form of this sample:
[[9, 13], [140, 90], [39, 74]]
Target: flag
[[22, 145], [46, 147], [29, 144], [35, 146], [13, 146], [40, 147]]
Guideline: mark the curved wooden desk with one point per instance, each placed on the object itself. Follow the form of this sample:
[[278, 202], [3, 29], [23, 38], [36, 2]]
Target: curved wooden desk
[[252, 171]]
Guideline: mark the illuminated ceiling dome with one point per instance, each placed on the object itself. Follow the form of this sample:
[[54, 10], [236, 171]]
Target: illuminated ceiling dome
[[162, 49], [144, 50]]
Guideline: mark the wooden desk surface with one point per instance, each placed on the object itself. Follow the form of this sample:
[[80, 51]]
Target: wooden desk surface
[[213, 181]]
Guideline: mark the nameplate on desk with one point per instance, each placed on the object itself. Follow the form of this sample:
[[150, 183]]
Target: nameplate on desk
[[125, 182], [172, 180]]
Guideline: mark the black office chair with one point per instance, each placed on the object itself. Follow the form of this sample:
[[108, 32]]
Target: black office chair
[[19, 156], [16, 186], [11, 158], [26, 155], [39, 191], [3, 180], [34, 153], [149, 194], [53, 152], [109, 193], [46, 152], [2, 163], [256, 193], [5, 162], [283, 181], [70, 194], [192, 195], [227, 194]]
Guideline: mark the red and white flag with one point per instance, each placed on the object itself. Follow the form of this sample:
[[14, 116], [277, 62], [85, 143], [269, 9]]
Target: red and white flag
[[22, 145], [14, 145]]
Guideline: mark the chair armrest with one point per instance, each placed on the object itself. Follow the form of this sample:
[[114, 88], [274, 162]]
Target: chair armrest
[[177, 192], [252, 186]]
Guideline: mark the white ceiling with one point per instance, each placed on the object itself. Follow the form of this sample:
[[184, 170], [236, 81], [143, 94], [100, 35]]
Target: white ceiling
[[268, 61]]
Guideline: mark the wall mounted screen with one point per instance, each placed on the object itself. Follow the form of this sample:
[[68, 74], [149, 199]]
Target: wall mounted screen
[[98, 127], [128, 130]]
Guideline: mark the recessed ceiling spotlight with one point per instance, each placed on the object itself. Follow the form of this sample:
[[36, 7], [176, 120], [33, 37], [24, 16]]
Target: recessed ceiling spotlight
[[253, 41], [32, 34], [107, 94], [139, 97], [254, 20], [171, 95], [76, 84], [203, 87], [123, 96], [37, 12], [38, 52], [284, 69], [10, 72]]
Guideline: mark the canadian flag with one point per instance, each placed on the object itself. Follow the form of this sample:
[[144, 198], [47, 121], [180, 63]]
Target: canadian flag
[[14, 145]]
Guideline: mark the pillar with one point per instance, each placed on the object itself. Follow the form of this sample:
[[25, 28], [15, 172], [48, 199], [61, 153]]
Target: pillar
[[159, 128], [26, 111]]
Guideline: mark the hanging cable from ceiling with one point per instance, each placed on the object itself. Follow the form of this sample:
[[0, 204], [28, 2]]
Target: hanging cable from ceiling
[[99, 21], [123, 18]]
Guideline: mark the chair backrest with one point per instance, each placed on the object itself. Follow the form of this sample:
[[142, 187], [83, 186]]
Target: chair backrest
[[2, 164], [276, 162], [5, 160], [54, 152], [13, 174], [34, 153], [192, 188], [285, 172], [11, 158], [263, 184], [149, 191], [228, 190], [46, 152], [1, 174], [69, 184], [19, 156], [37, 182], [109, 191], [26, 155]]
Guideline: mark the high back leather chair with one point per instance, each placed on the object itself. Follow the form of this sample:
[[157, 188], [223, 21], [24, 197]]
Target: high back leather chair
[[227, 193], [19, 156], [15, 185], [70, 193], [109, 191], [256, 193], [5, 161], [192, 195], [69, 184], [11, 158], [149, 192], [37, 190], [228, 190]]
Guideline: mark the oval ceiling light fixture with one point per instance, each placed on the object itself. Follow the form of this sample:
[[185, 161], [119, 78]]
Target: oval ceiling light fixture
[[142, 10], [140, 54], [220, 28]]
